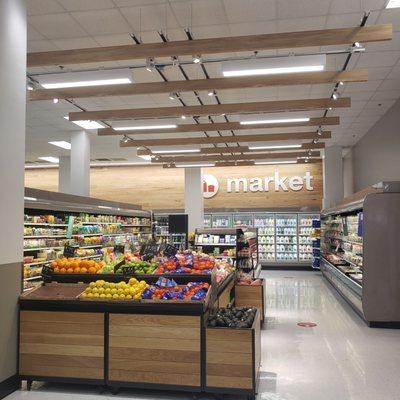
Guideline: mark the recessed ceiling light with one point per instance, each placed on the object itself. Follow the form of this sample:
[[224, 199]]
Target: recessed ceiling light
[[196, 59], [274, 121], [176, 151], [63, 144], [276, 65], [195, 165], [50, 159], [288, 146], [87, 124], [146, 157], [55, 100], [393, 4], [146, 127], [85, 78], [183, 116], [274, 162], [211, 93]]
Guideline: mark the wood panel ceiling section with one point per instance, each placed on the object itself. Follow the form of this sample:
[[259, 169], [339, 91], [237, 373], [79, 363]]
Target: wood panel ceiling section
[[246, 82], [234, 149], [221, 126], [250, 163], [214, 109], [288, 40], [255, 156], [272, 137]]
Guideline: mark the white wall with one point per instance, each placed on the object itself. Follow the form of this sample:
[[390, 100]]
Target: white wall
[[377, 154]]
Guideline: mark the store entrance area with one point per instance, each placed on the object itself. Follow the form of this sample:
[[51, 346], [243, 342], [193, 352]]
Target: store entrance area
[[339, 358]]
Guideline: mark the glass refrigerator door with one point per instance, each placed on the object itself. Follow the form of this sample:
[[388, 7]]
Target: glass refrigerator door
[[266, 236], [207, 220], [243, 219], [221, 221], [305, 239], [286, 238]]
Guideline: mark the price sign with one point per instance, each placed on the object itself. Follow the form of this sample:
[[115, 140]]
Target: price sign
[[170, 250], [149, 250], [69, 251]]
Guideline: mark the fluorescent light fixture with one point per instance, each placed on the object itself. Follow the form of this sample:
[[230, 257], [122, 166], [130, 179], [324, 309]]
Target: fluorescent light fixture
[[335, 96], [195, 165], [289, 146], [87, 124], [393, 4], [85, 78], [274, 121], [50, 159], [176, 151], [63, 144], [146, 157], [211, 93], [275, 162], [55, 100], [276, 65], [147, 127], [183, 116], [30, 198], [105, 207]]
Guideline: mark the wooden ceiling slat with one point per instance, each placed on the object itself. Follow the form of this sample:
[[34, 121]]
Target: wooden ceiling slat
[[215, 109], [254, 156], [220, 126], [201, 85], [272, 137], [231, 149], [246, 163], [288, 40]]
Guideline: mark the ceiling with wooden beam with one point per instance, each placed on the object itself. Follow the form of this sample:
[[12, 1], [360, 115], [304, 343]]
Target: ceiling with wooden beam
[[66, 28]]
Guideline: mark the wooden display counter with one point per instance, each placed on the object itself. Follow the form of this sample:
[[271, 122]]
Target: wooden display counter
[[155, 345]]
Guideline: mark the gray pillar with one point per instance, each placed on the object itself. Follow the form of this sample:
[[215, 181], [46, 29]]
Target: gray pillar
[[194, 204], [80, 164], [333, 176], [64, 174], [12, 161], [348, 174]]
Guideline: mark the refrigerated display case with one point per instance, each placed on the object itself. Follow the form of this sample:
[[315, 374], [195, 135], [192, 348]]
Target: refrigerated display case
[[243, 220], [221, 220], [286, 238], [359, 253]]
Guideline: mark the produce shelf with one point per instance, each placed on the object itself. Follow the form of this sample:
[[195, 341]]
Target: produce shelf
[[44, 248], [42, 224], [44, 236]]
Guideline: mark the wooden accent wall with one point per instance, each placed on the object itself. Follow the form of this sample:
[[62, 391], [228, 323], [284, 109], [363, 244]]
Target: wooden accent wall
[[156, 188], [62, 344], [161, 349]]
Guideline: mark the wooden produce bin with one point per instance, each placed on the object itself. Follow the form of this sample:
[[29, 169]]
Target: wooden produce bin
[[61, 345], [251, 296], [233, 358], [151, 351]]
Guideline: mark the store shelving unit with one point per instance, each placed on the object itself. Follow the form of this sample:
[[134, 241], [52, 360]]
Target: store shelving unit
[[359, 246], [237, 244], [285, 238], [53, 220], [172, 229]]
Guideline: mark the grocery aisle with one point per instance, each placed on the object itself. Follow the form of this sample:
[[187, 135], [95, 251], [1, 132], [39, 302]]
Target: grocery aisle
[[338, 359]]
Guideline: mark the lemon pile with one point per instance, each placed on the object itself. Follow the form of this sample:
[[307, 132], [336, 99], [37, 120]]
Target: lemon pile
[[115, 291]]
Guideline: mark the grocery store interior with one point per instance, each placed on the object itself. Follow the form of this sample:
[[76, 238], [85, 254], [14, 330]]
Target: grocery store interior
[[201, 199]]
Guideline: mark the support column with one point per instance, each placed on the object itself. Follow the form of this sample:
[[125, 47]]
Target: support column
[[194, 203], [80, 164], [333, 176], [64, 174], [348, 174], [12, 162]]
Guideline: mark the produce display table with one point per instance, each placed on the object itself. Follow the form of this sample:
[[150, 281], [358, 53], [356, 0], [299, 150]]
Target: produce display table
[[142, 344]]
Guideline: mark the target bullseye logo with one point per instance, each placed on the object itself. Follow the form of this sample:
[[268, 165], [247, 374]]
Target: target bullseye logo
[[210, 186]]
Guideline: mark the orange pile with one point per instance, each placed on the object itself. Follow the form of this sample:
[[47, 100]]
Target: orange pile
[[76, 266]]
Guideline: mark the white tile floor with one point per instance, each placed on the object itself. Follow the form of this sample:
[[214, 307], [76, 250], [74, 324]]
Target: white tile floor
[[340, 359]]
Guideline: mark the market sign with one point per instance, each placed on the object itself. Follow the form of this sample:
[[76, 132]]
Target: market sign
[[276, 183]]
